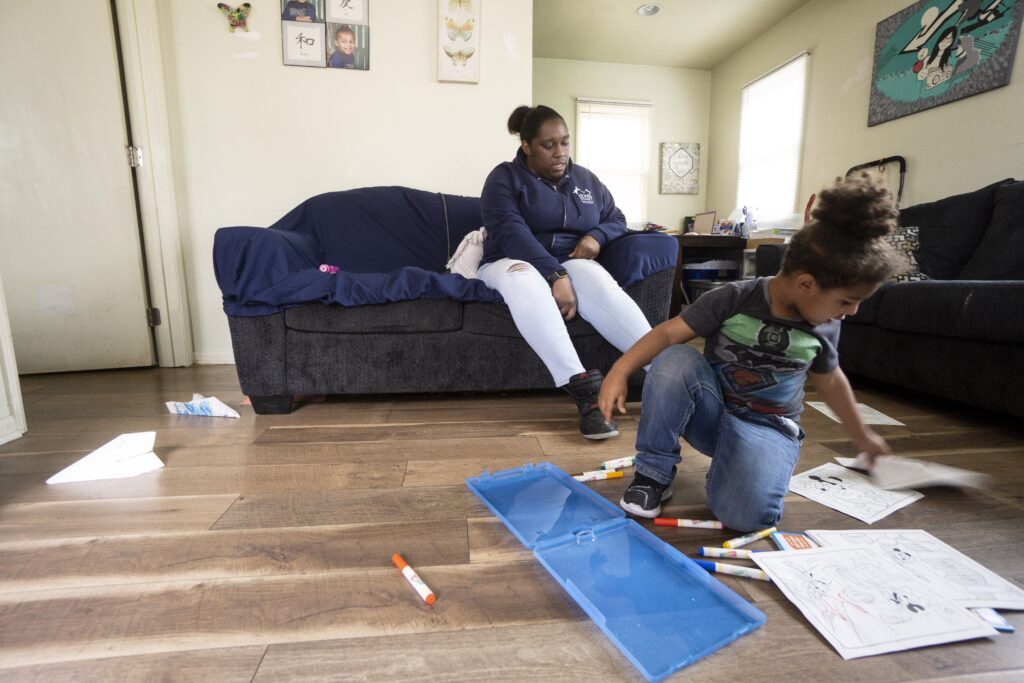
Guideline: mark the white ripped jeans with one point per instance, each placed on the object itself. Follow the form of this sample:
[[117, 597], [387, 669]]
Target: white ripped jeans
[[600, 301]]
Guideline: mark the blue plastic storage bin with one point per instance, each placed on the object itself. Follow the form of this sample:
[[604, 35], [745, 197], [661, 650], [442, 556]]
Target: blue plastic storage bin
[[658, 607]]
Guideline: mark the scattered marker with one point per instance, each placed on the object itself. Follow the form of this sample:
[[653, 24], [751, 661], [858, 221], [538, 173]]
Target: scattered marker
[[738, 554], [414, 579], [597, 475], [733, 570], [618, 463], [692, 523], [749, 538]]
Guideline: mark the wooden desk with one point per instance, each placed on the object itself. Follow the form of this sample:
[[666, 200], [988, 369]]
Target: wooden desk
[[703, 248]]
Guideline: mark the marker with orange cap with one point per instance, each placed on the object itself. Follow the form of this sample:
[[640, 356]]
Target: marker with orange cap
[[597, 475], [414, 579]]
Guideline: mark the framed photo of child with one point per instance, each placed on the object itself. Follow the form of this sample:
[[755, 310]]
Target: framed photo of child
[[306, 11], [303, 44], [347, 12], [348, 46]]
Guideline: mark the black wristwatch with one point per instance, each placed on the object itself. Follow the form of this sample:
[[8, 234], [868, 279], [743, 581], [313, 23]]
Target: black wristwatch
[[556, 276]]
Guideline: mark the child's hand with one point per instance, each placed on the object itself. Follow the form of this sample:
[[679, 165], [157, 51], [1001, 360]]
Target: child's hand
[[872, 445], [613, 395]]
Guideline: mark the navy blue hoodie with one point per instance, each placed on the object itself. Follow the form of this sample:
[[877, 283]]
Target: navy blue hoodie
[[531, 219]]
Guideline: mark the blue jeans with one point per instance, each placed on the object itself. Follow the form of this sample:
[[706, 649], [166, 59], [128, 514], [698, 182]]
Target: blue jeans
[[753, 454]]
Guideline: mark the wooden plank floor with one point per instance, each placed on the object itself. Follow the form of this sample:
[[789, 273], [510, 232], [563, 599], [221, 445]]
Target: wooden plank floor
[[261, 551]]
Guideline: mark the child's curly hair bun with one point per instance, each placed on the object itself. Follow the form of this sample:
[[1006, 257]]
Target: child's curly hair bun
[[842, 245], [859, 205]]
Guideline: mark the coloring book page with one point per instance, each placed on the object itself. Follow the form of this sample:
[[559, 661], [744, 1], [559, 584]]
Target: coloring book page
[[868, 415], [935, 564], [850, 492], [865, 605]]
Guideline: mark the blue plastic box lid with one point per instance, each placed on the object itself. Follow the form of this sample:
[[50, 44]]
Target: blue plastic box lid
[[658, 607]]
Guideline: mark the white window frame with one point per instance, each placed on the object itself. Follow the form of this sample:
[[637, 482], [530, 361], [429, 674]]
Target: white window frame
[[635, 172], [771, 138]]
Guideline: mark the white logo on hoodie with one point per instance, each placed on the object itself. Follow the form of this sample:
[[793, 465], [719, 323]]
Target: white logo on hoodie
[[585, 195]]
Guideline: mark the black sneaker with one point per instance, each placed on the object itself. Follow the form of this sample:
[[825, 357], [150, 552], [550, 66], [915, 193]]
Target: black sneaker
[[584, 389], [645, 496]]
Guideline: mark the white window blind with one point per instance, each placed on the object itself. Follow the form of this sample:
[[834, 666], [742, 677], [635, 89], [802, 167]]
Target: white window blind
[[612, 139], [771, 140]]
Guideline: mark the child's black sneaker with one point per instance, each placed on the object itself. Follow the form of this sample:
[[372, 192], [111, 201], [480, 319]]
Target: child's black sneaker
[[645, 496], [584, 389]]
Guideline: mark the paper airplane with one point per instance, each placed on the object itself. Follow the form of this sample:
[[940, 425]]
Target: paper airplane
[[202, 405], [128, 455], [893, 472]]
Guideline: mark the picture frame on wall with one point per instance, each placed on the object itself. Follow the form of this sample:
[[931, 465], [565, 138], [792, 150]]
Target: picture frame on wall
[[348, 46], [458, 45], [680, 168], [930, 54], [347, 12], [303, 44], [305, 11]]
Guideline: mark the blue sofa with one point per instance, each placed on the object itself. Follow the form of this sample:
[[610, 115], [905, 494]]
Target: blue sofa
[[391, 320]]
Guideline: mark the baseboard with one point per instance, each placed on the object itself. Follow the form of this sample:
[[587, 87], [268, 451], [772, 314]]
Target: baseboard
[[222, 358], [9, 430]]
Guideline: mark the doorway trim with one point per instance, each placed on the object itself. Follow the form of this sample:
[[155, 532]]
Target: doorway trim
[[145, 89]]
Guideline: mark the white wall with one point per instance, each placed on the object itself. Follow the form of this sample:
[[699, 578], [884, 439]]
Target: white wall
[[253, 138], [957, 147], [680, 114]]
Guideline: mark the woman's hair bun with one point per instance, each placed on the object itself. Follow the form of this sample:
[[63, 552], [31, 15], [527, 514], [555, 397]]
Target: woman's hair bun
[[515, 121], [860, 206]]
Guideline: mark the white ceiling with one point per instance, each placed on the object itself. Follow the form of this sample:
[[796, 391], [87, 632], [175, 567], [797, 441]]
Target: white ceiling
[[695, 34]]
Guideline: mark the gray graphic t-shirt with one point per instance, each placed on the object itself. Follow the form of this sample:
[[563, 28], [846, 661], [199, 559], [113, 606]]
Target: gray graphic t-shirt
[[761, 360]]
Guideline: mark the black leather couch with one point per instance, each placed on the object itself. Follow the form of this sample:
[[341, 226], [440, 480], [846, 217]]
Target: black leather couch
[[960, 334]]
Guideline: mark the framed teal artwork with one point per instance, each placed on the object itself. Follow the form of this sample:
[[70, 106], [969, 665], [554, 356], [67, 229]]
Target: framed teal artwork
[[938, 51]]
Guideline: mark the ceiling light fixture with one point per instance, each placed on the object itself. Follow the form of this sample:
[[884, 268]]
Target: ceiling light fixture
[[648, 10]]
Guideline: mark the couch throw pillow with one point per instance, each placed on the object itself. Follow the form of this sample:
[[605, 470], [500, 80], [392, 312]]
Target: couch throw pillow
[[466, 259], [1000, 256], [904, 239], [950, 230]]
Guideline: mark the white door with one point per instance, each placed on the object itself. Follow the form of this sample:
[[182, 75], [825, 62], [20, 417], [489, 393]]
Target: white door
[[70, 250]]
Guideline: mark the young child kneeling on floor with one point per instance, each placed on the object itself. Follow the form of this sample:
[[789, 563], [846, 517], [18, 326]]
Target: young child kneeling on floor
[[740, 402]]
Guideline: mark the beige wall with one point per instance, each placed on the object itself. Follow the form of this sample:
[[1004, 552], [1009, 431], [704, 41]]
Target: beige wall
[[680, 114], [954, 148], [252, 138]]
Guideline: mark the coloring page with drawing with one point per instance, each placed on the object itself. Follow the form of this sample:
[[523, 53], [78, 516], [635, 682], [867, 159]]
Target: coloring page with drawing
[[935, 564], [850, 492], [864, 604]]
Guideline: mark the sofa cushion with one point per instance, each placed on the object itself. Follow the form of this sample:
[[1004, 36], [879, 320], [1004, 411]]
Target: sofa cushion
[[1000, 256], [867, 312], [905, 239], [426, 315], [950, 230], [495, 320], [966, 309]]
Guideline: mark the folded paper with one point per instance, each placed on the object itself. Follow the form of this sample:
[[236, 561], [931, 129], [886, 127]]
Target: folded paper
[[207, 406], [128, 455]]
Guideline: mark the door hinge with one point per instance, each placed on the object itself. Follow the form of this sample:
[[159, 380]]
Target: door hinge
[[153, 316], [134, 156]]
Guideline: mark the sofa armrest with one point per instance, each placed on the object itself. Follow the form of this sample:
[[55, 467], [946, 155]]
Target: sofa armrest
[[638, 255], [248, 261], [768, 259]]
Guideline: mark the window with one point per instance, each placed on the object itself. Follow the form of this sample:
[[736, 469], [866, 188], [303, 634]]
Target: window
[[771, 138], [612, 138]]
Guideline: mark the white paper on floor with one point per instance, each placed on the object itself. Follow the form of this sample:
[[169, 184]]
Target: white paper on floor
[[128, 455], [894, 472], [864, 604], [869, 415], [849, 492], [204, 406], [935, 564]]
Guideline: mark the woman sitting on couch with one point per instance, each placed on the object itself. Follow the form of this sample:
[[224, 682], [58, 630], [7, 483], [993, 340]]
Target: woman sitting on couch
[[547, 220]]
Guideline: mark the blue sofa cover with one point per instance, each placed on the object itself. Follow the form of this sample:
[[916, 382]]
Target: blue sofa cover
[[390, 244]]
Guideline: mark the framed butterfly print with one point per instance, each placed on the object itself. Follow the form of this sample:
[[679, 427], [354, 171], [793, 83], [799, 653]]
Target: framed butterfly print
[[458, 45]]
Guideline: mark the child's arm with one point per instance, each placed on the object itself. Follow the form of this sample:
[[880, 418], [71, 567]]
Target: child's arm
[[834, 389], [613, 389]]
